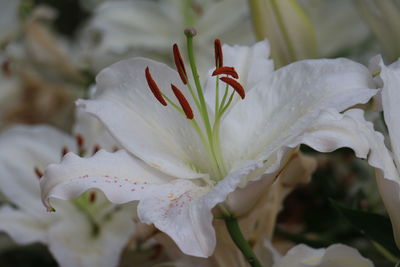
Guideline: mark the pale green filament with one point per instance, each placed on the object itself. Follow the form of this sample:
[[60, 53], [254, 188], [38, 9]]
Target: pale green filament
[[210, 139], [213, 142]]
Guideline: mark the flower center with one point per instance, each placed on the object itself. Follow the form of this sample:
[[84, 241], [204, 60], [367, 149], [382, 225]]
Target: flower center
[[209, 134]]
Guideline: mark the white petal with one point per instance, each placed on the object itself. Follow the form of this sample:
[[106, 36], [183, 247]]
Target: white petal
[[334, 256], [159, 135], [22, 149], [93, 132], [387, 176], [172, 205], [332, 130], [21, 226], [72, 242], [390, 100], [285, 105], [121, 177]]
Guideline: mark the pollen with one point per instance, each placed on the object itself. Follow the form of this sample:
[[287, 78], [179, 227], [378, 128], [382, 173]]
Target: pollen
[[219, 58], [96, 149], [64, 151], [38, 172], [226, 70], [183, 101], [154, 87], [235, 85], [180, 66]]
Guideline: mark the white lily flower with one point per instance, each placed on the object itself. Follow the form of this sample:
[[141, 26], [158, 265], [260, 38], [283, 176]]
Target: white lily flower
[[181, 161], [336, 255], [89, 231], [120, 29]]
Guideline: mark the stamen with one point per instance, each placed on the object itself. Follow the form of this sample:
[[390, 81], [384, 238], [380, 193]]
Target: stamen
[[235, 85], [183, 101], [38, 173], [6, 68], [219, 58], [226, 70], [154, 88], [180, 66], [92, 197], [64, 151], [80, 141], [96, 149]]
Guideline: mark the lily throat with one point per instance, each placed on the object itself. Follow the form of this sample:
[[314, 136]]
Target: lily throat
[[227, 87]]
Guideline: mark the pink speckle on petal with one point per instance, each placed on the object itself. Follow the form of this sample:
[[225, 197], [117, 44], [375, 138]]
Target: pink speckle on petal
[[133, 189]]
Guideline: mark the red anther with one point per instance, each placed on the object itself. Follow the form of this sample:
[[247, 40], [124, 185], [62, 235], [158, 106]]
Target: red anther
[[64, 151], [235, 85], [154, 88], [38, 173], [180, 66], [79, 141], [219, 57], [92, 197], [226, 70], [96, 149], [183, 101]]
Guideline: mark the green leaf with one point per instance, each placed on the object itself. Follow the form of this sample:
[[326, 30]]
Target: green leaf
[[375, 227]]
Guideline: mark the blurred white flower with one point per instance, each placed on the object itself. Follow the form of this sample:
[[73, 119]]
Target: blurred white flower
[[287, 27], [184, 159], [120, 29], [339, 28], [88, 231], [337, 255], [9, 20], [383, 18], [388, 162]]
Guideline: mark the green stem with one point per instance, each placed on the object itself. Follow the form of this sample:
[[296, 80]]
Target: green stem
[[234, 230]]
